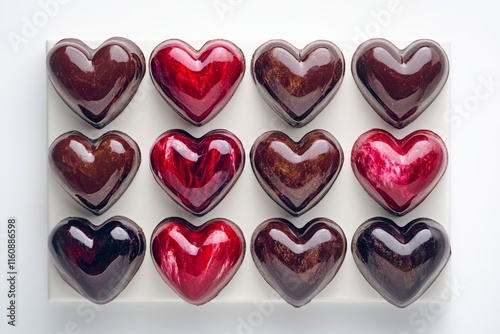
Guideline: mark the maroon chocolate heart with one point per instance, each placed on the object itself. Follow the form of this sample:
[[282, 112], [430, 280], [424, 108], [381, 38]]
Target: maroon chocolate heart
[[296, 175], [197, 172], [96, 84], [298, 84], [95, 172], [298, 262], [400, 263], [400, 84], [399, 174], [97, 261], [197, 262], [197, 84]]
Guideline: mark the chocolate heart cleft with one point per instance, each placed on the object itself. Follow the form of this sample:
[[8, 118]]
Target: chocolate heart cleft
[[400, 263], [197, 85], [197, 173], [97, 84], [296, 175], [97, 261], [298, 262], [298, 84], [399, 173], [95, 172], [400, 84], [197, 262]]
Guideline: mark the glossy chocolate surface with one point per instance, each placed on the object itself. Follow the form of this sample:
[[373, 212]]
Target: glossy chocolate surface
[[399, 173], [197, 84], [197, 172], [298, 262], [197, 262], [95, 172], [96, 84], [401, 263], [400, 84], [296, 175], [97, 261], [298, 84]]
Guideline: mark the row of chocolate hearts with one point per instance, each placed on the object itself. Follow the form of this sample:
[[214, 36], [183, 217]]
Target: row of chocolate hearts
[[197, 262], [297, 84], [198, 173]]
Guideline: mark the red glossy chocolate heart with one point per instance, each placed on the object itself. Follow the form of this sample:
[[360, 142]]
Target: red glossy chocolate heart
[[97, 261], [296, 175], [197, 173], [298, 262], [399, 174], [298, 84], [96, 84], [97, 172], [400, 84], [401, 263], [197, 84], [197, 262]]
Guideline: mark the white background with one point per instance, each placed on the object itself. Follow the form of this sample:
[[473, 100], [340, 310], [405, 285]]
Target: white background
[[470, 27]]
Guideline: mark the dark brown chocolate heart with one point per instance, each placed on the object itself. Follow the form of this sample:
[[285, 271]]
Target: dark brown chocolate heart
[[298, 84], [96, 84], [400, 84], [296, 175], [97, 261], [401, 263], [95, 172], [298, 262]]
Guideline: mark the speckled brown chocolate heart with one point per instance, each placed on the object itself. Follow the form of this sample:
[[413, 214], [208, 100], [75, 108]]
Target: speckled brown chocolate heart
[[96, 84], [298, 262], [400, 84], [95, 172], [298, 84], [296, 175]]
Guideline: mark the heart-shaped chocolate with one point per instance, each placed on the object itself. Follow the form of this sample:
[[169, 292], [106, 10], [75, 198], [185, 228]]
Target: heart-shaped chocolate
[[197, 84], [96, 84], [197, 172], [97, 261], [97, 172], [400, 84], [298, 84], [399, 174], [197, 262], [400, 263], [296, 175], [298, 262]]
